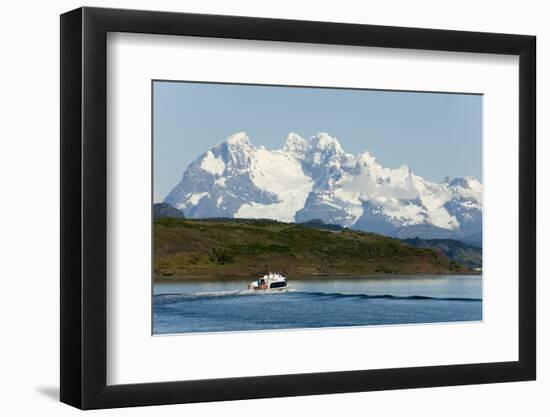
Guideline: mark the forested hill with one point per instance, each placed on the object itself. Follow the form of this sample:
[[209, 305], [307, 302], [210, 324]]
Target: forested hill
[[233, 248]]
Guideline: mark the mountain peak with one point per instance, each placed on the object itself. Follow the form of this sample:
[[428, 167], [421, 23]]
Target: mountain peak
[[366, 158], [315, 179], [295, 143], [468, 182], [323, 141], [405, 168], [240, 138]]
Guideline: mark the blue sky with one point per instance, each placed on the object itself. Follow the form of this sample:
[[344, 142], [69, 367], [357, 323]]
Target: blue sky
[[435, 134]]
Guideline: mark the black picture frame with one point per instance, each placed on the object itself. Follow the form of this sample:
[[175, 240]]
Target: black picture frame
[[84, 207]]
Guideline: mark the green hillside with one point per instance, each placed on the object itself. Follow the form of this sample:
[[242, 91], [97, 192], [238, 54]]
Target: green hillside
[[225, 249]]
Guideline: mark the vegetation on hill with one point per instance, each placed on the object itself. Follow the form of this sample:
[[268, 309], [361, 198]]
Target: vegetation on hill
[[233, 248], [320, 224]]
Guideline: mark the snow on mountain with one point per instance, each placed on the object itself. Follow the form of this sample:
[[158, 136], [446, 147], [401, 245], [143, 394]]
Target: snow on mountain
[[317, 179], [465, 203], [280, 173], [212, 164]]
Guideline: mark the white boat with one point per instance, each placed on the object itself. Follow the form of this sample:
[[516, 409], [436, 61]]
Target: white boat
[[270, 282]]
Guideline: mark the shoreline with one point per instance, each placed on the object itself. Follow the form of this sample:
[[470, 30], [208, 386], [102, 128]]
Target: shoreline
[[180, 279]]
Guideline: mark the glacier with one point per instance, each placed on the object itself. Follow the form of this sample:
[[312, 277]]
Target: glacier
[[316, 179]]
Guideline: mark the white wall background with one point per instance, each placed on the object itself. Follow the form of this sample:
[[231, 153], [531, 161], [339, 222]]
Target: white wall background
[[29, 220]]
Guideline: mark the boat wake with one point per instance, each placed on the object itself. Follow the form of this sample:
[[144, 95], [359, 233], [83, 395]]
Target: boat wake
[[306, 294], [388, 296], [215, 294]]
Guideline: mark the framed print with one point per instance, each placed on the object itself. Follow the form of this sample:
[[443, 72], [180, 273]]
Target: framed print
[[257, 208]]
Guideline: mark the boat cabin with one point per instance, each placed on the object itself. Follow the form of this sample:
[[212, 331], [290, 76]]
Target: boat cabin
[[272, 281]]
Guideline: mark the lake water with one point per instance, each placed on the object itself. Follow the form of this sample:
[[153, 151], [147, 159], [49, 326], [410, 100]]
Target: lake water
[[227, 306]]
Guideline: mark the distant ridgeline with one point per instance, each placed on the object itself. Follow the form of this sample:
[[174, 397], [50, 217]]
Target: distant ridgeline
[[161, 210], [312, 180], [461, 252], [232, 248]]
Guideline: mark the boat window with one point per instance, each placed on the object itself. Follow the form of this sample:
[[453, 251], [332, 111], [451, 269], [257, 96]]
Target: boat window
[[278, 284]]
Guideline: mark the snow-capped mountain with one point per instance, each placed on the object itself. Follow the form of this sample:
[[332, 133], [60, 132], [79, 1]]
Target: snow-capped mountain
[[317, 179]]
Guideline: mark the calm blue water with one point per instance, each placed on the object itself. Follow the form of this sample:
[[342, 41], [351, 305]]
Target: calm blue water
[[228, 306]]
